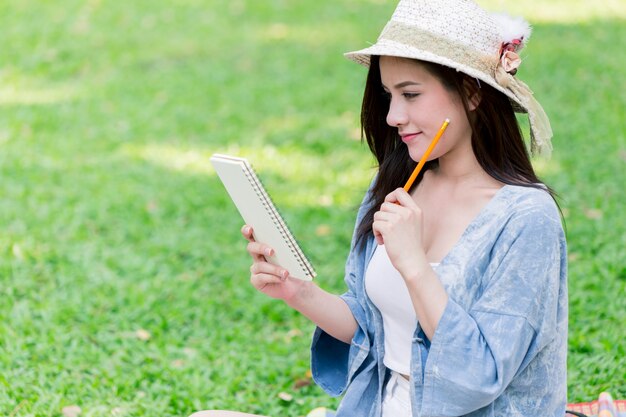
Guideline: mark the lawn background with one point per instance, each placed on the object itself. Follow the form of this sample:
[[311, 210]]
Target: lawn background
[[123, 276]]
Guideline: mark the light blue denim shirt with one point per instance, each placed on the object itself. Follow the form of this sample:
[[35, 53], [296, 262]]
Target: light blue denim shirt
[[500, 347]]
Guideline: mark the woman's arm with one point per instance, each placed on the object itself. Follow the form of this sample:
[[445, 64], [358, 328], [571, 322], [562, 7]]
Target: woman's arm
[[398, 225], [328, 311], [429, 298]]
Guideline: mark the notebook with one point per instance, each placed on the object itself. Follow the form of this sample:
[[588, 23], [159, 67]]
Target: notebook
[[258, 210]]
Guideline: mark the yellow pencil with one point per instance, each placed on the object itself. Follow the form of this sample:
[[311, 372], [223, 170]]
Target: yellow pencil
[[422, 161]]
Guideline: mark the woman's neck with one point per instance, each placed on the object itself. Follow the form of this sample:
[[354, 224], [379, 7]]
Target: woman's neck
[[460, 166]]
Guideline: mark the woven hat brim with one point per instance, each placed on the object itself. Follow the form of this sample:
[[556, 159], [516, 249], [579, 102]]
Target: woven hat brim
[[385, 47]]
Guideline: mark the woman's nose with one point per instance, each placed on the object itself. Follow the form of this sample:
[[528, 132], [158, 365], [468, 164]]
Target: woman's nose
[[396, 116]]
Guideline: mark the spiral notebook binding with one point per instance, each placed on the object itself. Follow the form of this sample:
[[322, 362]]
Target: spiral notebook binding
[[289, 239], [282, 226], [274, 214]]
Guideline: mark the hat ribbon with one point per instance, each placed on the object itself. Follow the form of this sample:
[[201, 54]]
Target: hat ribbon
[[540, 130]]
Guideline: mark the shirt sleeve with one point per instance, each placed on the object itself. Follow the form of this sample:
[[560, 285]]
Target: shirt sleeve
[[475, 353], [335, 363]]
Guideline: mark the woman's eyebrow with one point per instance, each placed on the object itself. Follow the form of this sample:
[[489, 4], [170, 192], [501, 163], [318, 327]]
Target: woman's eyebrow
[[406, 83], [402, 84]]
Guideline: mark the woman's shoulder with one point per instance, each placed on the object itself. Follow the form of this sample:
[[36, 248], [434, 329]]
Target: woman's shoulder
[[529, 218], [533, 198], [530, 205]]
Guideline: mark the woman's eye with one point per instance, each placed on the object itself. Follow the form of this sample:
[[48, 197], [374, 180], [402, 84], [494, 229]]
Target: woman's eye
[[410, 95]]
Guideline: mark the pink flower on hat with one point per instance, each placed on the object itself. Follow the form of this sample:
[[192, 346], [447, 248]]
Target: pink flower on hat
[[515, 33]]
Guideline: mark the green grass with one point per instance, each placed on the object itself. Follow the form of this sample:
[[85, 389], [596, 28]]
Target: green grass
[[124, 280]]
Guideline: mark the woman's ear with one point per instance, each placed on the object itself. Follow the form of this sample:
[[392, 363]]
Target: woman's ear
[[473, 93]]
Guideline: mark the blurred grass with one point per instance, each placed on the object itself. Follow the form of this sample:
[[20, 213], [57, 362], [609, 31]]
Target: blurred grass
[[123, 277]]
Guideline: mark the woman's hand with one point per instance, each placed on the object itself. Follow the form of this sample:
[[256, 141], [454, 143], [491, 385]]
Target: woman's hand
[[270, 279], [398, 225], [326, 310]]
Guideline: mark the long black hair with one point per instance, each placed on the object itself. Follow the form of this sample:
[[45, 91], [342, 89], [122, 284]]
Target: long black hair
[[497, 141]]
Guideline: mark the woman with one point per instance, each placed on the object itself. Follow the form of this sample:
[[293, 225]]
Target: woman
[[457, 290]]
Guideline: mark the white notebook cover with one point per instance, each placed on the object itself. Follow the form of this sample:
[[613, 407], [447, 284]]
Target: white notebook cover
[[258, 211]]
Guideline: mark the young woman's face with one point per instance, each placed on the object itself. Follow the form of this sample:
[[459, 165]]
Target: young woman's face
[[418, 105]]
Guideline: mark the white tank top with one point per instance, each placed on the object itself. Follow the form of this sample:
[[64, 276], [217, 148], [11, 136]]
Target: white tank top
[[386, 288]]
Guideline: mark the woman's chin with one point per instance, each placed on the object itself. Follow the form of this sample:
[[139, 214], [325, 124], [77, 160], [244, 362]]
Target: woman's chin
[[416, 154]]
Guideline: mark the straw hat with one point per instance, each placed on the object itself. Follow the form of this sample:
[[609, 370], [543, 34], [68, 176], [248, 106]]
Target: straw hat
[[461, 35]]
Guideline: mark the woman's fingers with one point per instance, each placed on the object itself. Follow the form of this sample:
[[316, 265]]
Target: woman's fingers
[[379, 237], [264, 273], [385, 215], [260, 268], [264, 276], [257, 250], [404, 198], [391, 197], [397, 211], [399, 196], [246, 231], [261, 249], [388, 213], [261, 280]]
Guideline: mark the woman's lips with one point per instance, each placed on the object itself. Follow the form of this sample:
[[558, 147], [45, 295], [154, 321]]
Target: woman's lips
[[406, 138]]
